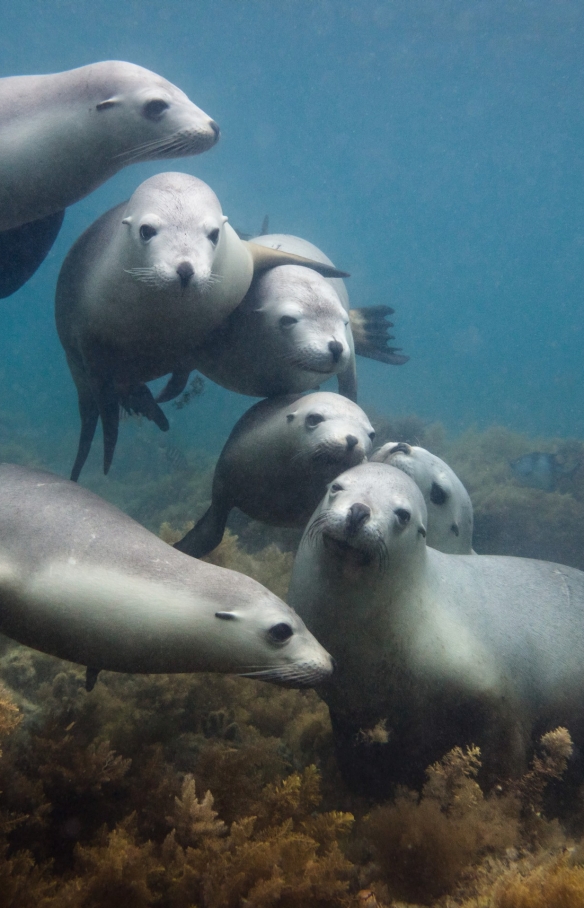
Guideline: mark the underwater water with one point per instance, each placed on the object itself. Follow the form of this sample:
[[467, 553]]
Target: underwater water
[[433, 149]]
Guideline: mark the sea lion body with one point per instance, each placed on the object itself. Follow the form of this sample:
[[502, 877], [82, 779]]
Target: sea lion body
[[450, 514], [62, 135], [278, 460], [289, 334], [82, 581], [433, 650], [140, 290]]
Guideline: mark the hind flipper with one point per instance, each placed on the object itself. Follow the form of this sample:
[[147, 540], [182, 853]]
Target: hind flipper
[[23, 249], [206, 534], [140, 400], [108, 403], [174, 386], [370, 330], [89, 413]]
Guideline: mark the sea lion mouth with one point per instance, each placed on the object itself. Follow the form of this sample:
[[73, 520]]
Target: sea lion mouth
[[343, 549], [181, 144], [300, 674]]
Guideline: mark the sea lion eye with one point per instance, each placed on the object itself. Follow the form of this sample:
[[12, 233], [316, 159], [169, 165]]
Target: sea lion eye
[[437, 494], [279, 633], [147, 231], [403, 516], [214, 236], [336, 487], [287, 321], [153, 110], [313, 419]]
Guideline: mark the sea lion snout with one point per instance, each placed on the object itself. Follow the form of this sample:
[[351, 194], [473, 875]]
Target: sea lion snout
[[215, 129], [336, 349], [357, 515], [185, 272]]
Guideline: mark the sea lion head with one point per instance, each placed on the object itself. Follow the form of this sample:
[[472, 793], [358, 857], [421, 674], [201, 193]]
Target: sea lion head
[[173, 227], [328, 429], [265, 639], [371, 515], [450, 514], [304, 320], [149, 117]]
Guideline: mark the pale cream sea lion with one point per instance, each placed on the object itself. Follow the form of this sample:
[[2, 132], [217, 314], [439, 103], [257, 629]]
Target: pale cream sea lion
[[293, 331], [450, 515], [433, 650], [278, 460], [82, 581], [62, 135], [141, 289]]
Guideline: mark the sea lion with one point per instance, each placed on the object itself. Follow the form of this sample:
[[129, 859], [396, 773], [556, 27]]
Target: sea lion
[[82, 581], [450, 516], [293, 331], [63, 135], [278, 460], [433, 650], [141, 289]]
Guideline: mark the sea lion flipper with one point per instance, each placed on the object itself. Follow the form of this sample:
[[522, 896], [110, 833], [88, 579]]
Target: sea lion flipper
[[347, 381], [206, 534], [24, 248], [89, 413], [140, 400], [109, 410], [264, 257], [90, 678], [371, 336], [174, 386]]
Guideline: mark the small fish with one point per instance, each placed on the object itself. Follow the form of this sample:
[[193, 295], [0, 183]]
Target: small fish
[[541, 471], [175, 458]]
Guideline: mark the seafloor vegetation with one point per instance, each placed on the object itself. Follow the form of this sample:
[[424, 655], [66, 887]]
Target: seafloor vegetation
[[206, 791]]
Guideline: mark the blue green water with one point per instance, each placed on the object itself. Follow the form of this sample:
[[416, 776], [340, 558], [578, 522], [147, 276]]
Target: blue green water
[[433, 148]]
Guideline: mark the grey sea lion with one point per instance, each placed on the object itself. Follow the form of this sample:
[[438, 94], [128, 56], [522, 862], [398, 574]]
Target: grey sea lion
[[278, 460], [433, 650], [82, 581], [62, 135], [450, 515], [141, 289], [293, 331]]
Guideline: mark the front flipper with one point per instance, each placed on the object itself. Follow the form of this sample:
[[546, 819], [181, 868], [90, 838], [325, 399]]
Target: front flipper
[[174, 386], [23, 249], [141, 401], [90, 678], [371, 335], [264, 257], [206, 534], [347, 381]]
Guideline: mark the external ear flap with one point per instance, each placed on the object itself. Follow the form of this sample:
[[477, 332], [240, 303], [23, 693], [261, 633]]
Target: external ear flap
[[127, 220], [103, 105], [422, 531], [224, 218], [263, 258], [291, 416]]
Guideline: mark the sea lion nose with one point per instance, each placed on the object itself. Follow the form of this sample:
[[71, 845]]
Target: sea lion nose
[[215, 127], [352, 442], [336, 349], [185, 271], [357, 515]]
